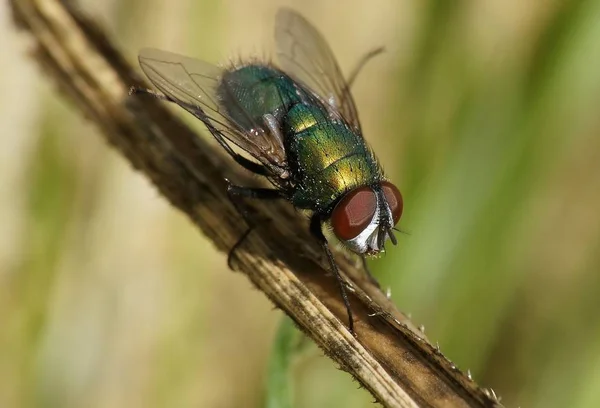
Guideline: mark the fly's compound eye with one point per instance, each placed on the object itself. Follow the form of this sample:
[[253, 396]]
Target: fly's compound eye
[[394, 199], [354, 213]]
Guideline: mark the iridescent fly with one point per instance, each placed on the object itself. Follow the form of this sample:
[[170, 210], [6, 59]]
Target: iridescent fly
[[300, 125]]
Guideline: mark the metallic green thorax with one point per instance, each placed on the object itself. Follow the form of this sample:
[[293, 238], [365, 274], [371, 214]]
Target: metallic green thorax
[[326, 158], [250, 92]]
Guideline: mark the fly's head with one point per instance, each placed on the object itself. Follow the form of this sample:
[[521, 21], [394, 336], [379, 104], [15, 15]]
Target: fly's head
[[365, 217]]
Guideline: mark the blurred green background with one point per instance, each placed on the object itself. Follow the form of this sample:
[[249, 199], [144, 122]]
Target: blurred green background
[[486, 114]]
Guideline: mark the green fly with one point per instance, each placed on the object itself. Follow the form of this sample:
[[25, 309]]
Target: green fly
[[300, 125]]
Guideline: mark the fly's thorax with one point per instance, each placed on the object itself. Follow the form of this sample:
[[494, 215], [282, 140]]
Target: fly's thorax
[[253, 91], [326, 157], [365, 216]]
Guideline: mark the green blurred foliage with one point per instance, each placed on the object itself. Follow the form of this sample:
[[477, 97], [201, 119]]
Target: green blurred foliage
[[485, 113]]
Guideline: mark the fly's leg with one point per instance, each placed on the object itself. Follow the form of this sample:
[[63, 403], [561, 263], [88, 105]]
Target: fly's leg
[[361, 64], [316, 230], [368, 272], [235, 193], [248, 164], [145, 91]]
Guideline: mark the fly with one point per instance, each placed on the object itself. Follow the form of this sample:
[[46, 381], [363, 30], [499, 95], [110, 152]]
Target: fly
[[299, 123]]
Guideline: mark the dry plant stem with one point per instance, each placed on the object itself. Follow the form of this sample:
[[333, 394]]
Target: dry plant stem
[[389, 356]]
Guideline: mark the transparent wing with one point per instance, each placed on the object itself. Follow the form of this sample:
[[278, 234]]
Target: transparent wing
[[304, 53], [195, 85]]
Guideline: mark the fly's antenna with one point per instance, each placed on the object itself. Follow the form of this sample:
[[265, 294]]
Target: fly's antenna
[[392, 236], [381, 232], [401, 231]]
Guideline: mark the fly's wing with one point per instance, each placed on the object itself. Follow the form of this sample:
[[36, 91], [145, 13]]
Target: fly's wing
[[195, 85], [304, 53]]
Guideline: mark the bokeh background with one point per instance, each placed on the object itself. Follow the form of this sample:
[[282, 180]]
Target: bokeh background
[[486, 113]]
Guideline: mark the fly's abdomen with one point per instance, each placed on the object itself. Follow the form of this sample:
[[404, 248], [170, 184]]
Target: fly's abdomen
[[250, 92], [330, 158]]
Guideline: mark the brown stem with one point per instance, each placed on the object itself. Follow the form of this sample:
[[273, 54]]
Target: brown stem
[[389, 356]]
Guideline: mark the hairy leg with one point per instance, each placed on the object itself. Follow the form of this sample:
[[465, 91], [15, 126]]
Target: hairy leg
[[316, 230]]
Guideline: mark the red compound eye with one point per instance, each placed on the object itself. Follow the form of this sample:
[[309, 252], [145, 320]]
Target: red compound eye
[[394, 199], [354, 213]]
